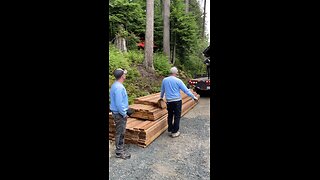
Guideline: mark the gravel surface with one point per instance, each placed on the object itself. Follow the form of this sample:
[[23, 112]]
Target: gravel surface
[[184, 157]]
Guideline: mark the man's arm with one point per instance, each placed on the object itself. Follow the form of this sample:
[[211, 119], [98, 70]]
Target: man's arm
[[186, 90], [119, 104], [162, 91]]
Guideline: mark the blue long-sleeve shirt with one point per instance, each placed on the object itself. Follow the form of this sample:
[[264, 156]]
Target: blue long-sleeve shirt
[[171, 87], [119, 99]]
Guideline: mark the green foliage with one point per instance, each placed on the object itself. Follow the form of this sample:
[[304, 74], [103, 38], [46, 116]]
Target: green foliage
[[161, 64], [158, 25], [136, 85], [126, 14], [156, 89], [135, 56], [186, 28], [116, 59], [127, 20], [132, 41], [197, 12]]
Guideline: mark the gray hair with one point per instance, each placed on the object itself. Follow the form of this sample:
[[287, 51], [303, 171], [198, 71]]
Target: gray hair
[[173, 70]]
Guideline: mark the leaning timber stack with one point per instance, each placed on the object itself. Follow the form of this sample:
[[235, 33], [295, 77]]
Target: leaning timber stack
[[149, 120]]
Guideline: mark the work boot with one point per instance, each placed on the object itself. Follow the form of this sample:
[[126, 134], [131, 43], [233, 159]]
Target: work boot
[[175, 134], [123, 155]]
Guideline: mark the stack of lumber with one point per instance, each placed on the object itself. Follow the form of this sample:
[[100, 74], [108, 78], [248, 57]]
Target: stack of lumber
[[149, 121], [152, 99]]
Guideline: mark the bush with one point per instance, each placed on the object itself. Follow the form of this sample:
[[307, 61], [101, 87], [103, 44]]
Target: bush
[[132, 41], [117, 59], [155, 89], [135, 56], [134, 89], [161, 64], [133, 73]]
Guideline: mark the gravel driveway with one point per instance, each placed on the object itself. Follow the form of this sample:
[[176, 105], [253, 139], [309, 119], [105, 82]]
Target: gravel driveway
[[184, 157]]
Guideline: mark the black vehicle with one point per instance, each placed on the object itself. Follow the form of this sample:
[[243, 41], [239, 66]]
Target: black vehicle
[[201, 83]]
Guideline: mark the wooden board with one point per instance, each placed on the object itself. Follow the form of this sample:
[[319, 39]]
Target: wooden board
[[153, 99]]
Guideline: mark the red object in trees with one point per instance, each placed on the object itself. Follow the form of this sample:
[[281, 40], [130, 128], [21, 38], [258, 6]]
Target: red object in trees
[[141, 45]]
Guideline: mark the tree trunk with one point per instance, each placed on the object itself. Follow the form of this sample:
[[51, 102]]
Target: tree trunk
[[174, 49], [120, 43], [166, 28], [204, 20], [187, 5], [148, 49], [161, 7]]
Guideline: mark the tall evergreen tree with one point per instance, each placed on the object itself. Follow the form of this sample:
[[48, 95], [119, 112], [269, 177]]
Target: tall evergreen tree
[[204, 19], [187, 5], [148, 49], [127, 19], [166, 28]]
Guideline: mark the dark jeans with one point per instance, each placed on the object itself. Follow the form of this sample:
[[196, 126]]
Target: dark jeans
[[120, 131], [174, 110]]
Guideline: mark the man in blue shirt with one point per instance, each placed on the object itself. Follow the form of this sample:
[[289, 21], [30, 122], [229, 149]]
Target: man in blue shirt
[[171, 87], [119, 107]]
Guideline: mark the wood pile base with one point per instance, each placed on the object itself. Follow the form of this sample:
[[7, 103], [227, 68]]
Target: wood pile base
[[145, 128]]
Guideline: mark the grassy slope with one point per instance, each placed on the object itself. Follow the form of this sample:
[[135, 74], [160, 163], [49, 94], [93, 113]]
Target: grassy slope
[[139, 82]]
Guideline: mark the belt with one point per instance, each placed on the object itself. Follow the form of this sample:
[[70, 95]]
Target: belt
[[114, 112], [172, 100]]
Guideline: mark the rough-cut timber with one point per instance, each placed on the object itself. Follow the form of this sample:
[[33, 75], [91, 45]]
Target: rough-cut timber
[[149, 112], [152, 99], [144, 132]]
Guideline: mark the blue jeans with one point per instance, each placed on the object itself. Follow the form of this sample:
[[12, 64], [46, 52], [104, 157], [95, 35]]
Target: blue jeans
[[174, 111]]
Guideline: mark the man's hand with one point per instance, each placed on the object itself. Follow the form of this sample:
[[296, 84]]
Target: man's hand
[[161, 103], [196, 99], [130, 112]]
